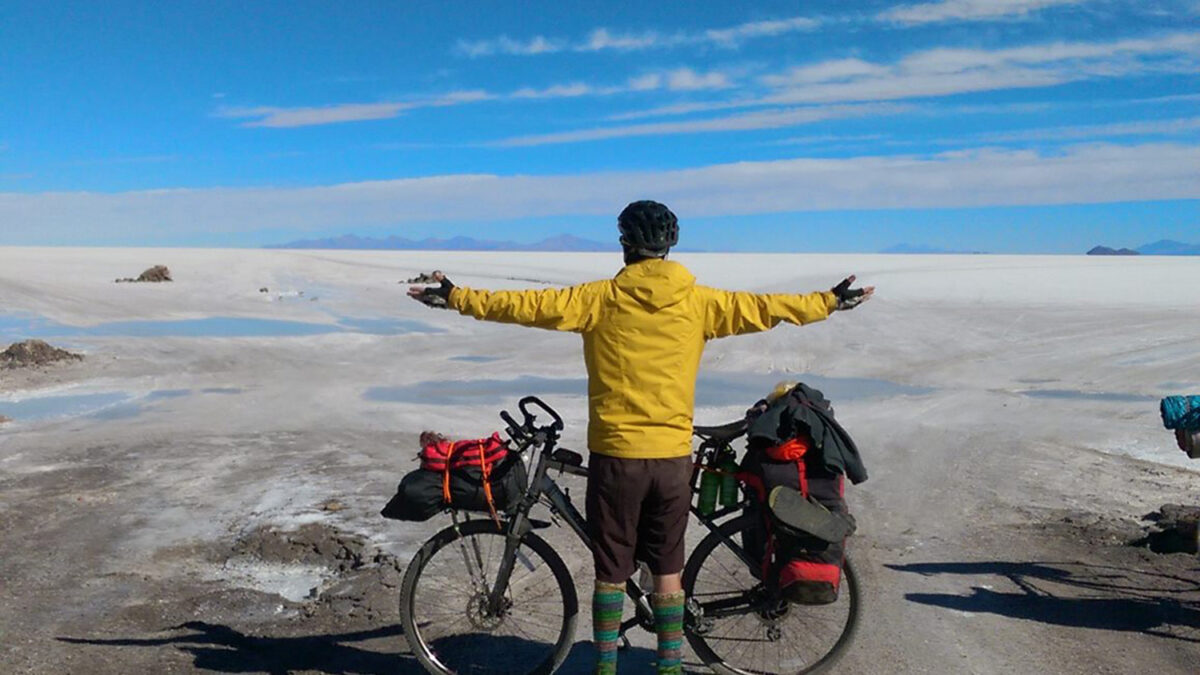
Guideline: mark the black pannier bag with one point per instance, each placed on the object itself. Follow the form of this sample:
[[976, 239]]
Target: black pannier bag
[[420, 495]]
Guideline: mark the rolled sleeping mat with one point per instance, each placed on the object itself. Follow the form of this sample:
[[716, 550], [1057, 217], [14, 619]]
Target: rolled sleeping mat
[[1181, 412]]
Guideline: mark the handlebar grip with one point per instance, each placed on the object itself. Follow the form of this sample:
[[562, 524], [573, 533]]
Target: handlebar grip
[[512, 424]]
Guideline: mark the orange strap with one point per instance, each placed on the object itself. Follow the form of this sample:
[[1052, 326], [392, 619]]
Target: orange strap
[[487, 481]]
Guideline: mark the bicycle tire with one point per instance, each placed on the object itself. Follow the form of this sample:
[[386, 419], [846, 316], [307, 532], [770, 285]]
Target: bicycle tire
[[436, 583], [714, 563]]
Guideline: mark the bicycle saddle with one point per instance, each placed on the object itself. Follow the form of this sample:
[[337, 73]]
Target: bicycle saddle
[[724, 433]]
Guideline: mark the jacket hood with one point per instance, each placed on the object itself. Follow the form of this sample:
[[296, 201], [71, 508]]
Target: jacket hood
[[656, 283]]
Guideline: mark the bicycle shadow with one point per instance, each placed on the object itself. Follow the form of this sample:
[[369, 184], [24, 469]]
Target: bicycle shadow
[[222, 649], [1076, 595]]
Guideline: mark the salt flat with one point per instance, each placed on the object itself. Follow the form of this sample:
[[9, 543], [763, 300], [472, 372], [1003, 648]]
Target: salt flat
[[1006, 405]]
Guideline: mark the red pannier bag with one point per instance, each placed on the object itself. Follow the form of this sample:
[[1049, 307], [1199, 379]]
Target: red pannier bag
[[475, 475], [807, 569]]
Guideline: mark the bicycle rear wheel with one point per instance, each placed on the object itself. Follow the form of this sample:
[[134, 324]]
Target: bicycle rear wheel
[[737, 631], [443, 604]]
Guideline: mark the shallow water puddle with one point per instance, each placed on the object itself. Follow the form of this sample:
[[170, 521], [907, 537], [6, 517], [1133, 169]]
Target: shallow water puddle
[[108, 405], [475, 359], [712, 390], [13, 327], [67, 405], [1076, 395]]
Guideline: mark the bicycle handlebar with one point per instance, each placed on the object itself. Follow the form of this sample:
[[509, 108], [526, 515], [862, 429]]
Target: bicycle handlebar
[[524, 404]]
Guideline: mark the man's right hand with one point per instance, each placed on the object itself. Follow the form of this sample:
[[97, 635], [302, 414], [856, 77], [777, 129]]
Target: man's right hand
[[433, 296], [849, 298]]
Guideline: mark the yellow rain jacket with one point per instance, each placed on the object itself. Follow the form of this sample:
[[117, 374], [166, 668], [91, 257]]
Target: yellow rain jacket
[[643, 334]]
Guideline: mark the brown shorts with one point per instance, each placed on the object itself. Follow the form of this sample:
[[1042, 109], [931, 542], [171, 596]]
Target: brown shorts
[[637, 509]]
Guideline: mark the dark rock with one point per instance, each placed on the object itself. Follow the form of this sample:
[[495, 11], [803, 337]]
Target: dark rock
[[33, 353], [156, 274], [1176, 528]]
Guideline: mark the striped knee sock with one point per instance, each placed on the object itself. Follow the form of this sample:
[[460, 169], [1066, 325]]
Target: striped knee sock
[[607, 602], [668, 623]]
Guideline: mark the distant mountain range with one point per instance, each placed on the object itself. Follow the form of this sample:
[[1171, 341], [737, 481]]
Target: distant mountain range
[[1104, 250], [563, 242], [1160, 247]]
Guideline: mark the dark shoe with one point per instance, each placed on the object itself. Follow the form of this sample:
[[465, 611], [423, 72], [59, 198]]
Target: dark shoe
[[808, 515]]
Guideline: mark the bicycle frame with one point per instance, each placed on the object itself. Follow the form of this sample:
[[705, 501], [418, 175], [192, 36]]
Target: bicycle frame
[[543, 488]]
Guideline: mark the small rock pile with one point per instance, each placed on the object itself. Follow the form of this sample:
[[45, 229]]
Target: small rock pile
[[34, 353], [156, 274], [1176, 529]]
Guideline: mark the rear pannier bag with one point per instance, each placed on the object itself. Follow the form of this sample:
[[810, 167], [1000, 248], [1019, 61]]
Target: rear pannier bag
[[420, 495], [807, 568], [471, 475]]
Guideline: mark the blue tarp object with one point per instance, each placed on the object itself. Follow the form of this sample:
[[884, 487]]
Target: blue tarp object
[[1181, 412]]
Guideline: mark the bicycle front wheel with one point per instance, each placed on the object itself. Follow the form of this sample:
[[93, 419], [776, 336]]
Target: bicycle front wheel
[[444, 604], [735, 629]]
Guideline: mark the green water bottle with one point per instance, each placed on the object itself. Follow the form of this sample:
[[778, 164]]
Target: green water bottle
[[710, 485], [729, 483]]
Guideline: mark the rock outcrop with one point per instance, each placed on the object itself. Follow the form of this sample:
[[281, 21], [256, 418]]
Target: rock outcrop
[[33, 353], [156, 274]]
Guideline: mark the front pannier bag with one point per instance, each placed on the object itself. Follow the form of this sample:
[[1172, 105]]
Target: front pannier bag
[[472, 475]]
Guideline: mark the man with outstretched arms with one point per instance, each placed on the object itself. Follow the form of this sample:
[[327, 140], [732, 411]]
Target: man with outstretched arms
[[643, 334]]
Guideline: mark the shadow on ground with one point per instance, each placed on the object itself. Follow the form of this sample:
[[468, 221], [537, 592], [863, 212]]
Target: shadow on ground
[[1076, 595], [222, 649]]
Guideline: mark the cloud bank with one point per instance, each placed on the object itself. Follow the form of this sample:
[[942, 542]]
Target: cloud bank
[[1078, 174]]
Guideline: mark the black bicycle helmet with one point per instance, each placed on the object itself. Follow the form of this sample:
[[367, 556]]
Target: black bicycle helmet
[[648, 228]]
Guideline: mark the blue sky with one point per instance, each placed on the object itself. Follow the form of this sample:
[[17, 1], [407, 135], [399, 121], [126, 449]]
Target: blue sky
[[1008, 126]]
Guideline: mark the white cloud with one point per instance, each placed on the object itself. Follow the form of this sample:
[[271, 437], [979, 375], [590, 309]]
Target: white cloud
[[754, 29], [270, 116], [686, 79], [942, 72], [506, 45], [966, 10], [766, 119], [946, 72], [1065, 133], [603, 39], [1076, 175], [571, 90], [680, 79]]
